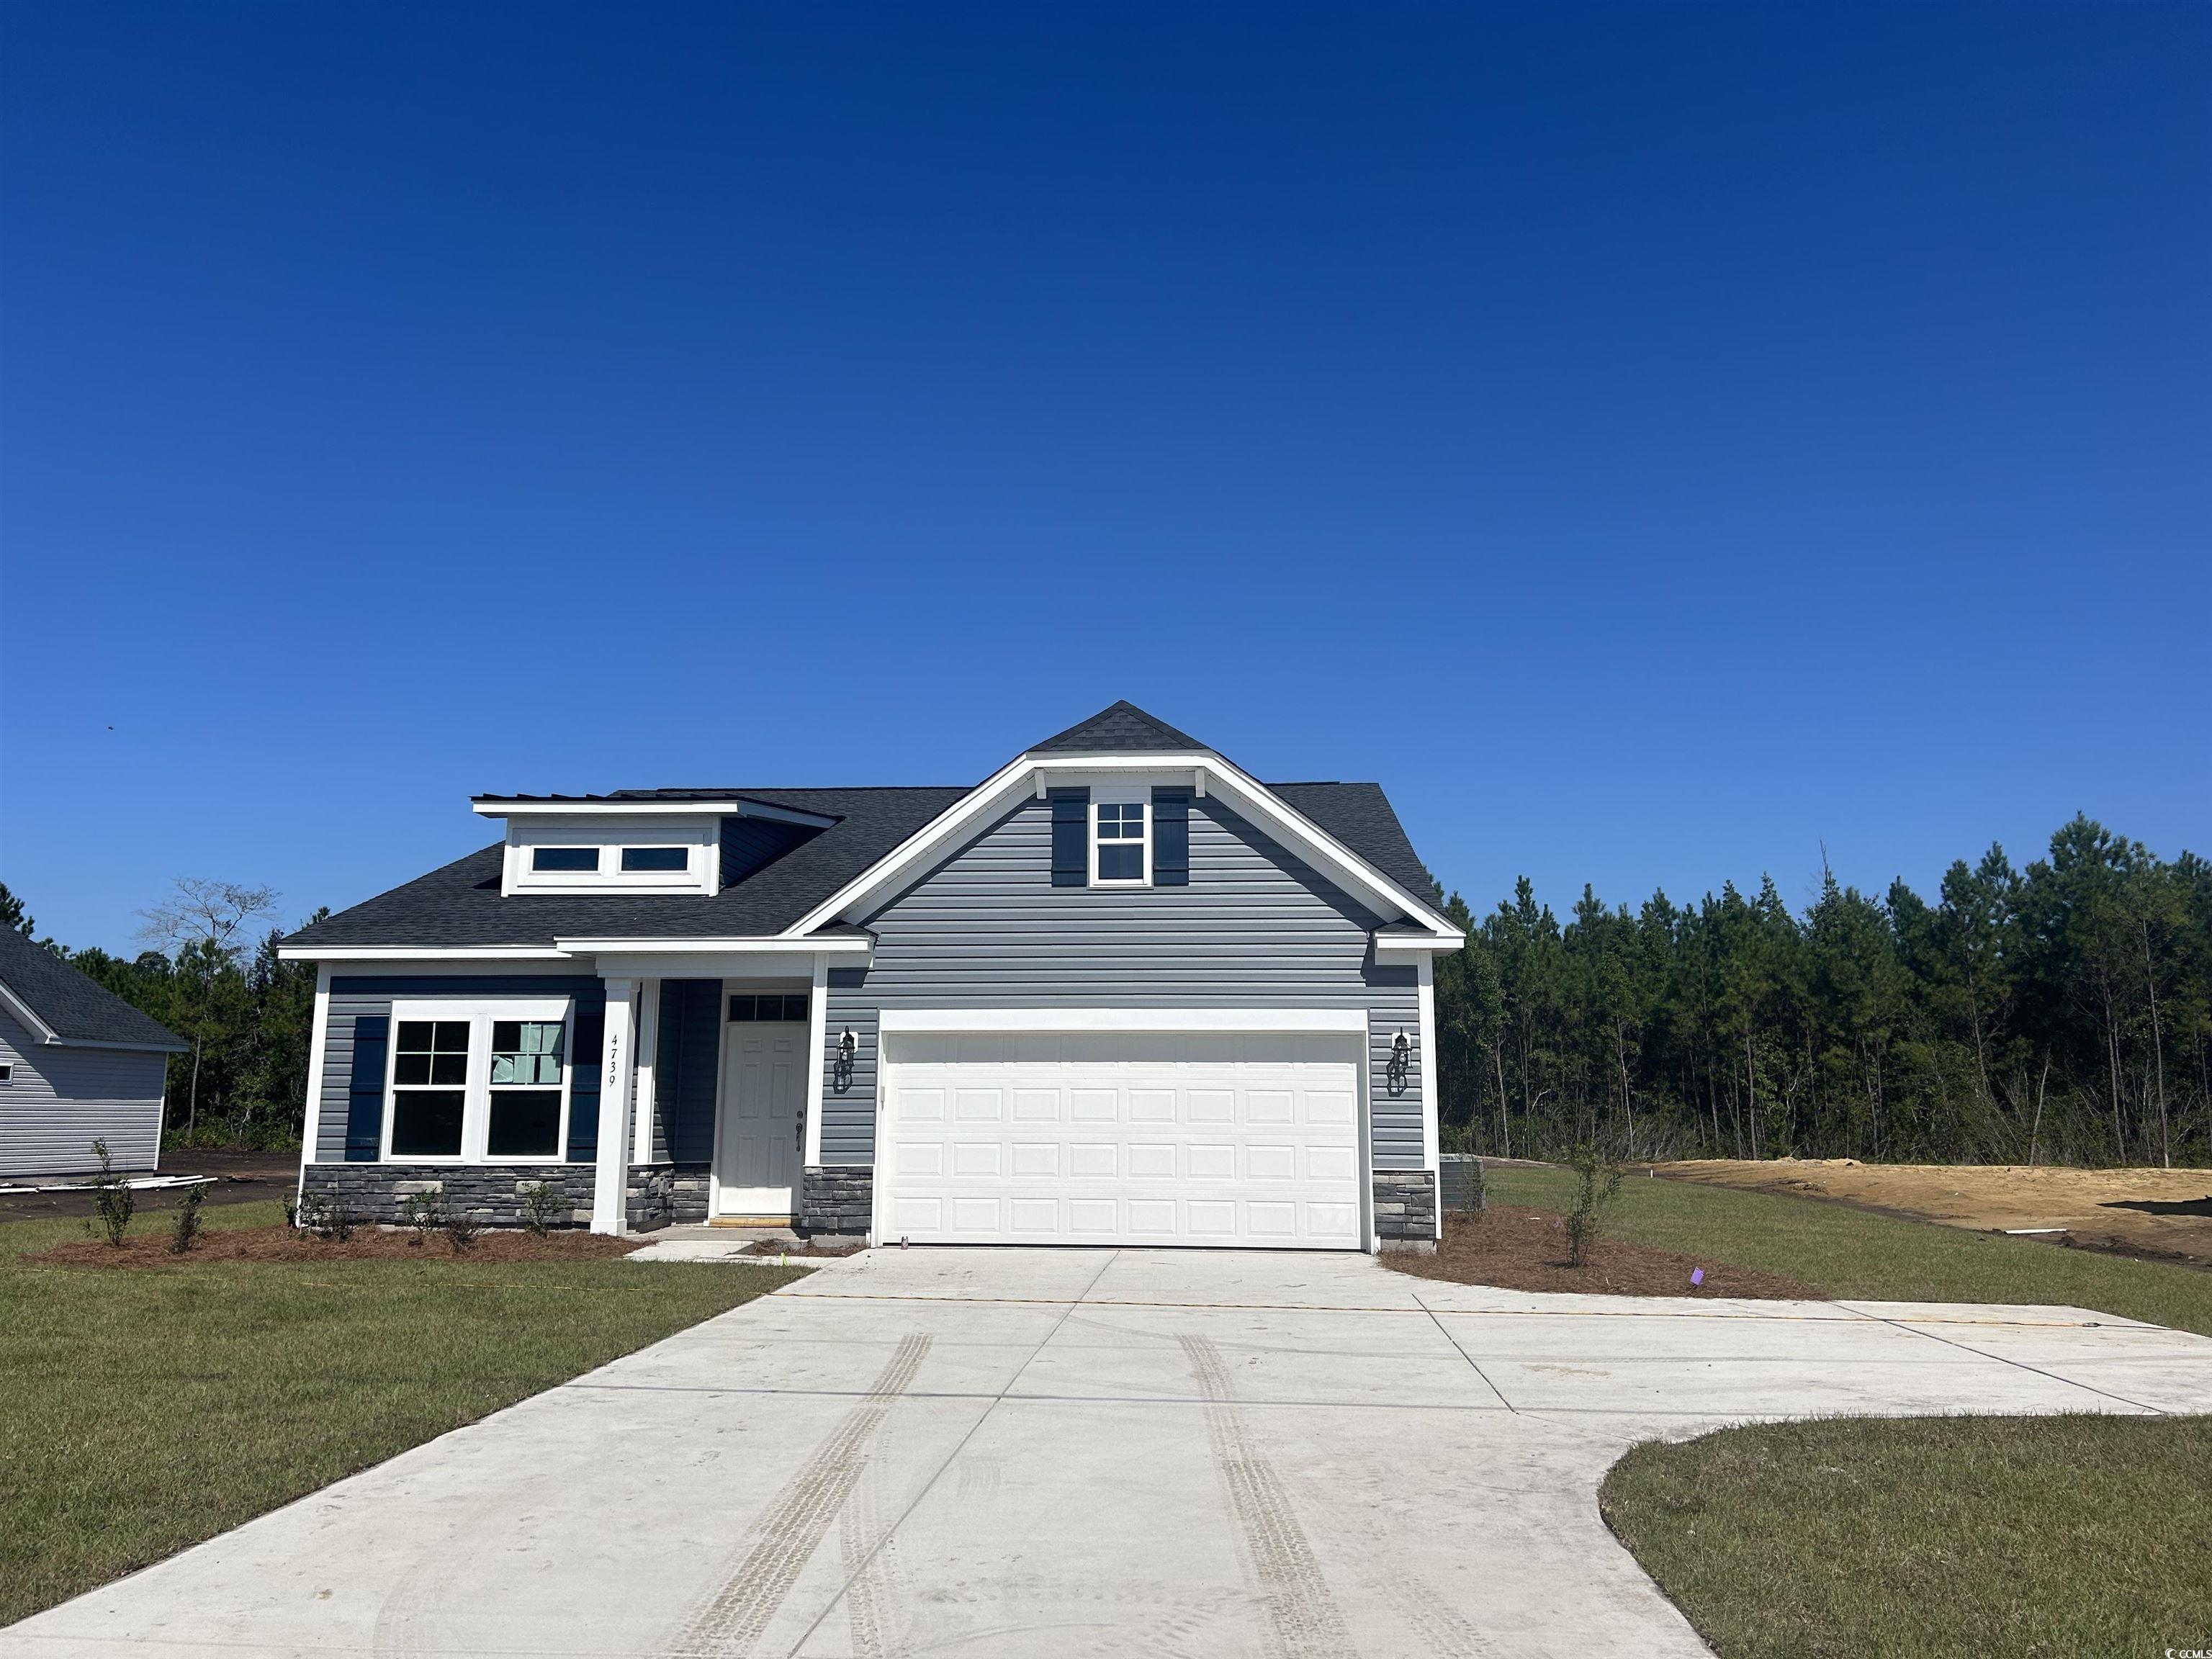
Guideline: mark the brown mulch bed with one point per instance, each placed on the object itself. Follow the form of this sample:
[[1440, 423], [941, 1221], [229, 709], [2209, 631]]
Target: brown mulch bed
[[1518, 1248], [151, 1248]]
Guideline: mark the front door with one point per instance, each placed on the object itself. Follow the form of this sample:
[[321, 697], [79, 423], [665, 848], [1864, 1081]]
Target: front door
[[764, 1121]]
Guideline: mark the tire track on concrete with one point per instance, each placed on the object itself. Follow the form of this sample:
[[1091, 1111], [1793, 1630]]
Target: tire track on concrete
[[1302, 1619], [865, 1551], [732, 1616]]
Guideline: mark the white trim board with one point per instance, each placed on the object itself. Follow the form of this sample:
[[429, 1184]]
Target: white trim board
[[428, 955], [892, 1022], [433, 956]]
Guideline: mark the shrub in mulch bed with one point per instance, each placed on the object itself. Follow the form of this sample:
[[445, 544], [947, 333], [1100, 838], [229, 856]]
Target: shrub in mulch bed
[[367, 1244], [1517, 1248]]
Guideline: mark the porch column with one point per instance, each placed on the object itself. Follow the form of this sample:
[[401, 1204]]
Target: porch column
[[611, 1179], [646, 1094]]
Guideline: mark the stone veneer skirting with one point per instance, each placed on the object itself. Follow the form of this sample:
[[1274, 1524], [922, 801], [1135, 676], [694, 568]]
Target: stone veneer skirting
[[1406, 1209], [836, 1201], [491, 1195], [667, 1195]]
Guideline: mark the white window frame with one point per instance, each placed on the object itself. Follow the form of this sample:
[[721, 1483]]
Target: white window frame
[[1121, 794], [476, 1098], [698, 839]]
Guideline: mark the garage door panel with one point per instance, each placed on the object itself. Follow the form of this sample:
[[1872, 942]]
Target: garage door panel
[[1094, 1105], [1152, 1161], [1331, 1164], [1036, 1157], [1272, 1162], [1148, 1138], [1152, 1218], [1094, 1159], [1151, 1105], [1330, 1106], [1212, 1106], [1212, 1162]]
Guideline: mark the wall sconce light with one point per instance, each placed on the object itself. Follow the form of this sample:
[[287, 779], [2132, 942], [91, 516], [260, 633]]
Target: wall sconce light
[[1401, 1056], [1401, 1046], [848, 1045]]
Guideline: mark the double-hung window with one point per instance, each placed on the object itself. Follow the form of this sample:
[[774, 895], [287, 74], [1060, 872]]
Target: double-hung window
[[1121, 838], [478, 1083]]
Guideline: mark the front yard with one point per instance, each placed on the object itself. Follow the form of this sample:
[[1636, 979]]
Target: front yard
[[2046, 1537], [2039, 1537], [144, 1409], [1854, 1254]]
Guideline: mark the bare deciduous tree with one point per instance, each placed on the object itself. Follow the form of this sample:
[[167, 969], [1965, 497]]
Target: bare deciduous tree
[[203, 926]]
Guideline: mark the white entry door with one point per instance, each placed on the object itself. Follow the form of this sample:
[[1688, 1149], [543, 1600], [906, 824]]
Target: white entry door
[[1121, 1137], [763, 1117]]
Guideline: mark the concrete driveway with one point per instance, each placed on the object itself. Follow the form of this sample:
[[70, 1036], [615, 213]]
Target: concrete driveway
[[1088, 1452]]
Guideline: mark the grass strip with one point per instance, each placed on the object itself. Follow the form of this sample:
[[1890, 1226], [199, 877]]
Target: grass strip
[[2025, 1536], [1852, 1255], [143, 1410]]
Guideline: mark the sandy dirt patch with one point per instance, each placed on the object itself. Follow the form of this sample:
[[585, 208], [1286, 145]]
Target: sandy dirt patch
[[2163, 1213]]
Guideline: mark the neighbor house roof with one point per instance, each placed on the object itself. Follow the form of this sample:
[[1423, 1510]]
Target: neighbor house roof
[[66, 1008], [461, 905]]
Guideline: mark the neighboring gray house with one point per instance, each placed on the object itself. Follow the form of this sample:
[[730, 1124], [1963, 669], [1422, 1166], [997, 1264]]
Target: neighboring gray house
[[78, 1063], [1119, 992]]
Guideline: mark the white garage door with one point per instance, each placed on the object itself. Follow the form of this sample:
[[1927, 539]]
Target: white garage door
[[1121, 1137]]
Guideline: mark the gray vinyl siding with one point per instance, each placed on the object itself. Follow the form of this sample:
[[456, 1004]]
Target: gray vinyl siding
[[62, 1098], [1256, 929], [354, 995]]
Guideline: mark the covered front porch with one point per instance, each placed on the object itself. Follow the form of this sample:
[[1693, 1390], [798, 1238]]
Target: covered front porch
[[711, 1078]]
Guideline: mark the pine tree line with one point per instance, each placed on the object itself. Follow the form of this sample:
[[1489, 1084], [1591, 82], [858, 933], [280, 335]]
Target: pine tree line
[[2058, 1014]]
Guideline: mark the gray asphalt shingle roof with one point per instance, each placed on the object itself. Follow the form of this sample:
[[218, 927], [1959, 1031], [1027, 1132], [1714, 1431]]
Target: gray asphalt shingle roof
[[1123, 729], [74, 1008], [461, 905]]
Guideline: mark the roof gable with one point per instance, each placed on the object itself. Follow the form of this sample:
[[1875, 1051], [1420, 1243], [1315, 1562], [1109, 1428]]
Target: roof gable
[[74, 1008], [1123, 729]]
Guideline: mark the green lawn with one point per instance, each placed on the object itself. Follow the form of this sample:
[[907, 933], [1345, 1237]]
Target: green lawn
[[141, 1412], [1848, 1252], [2035, 1538]]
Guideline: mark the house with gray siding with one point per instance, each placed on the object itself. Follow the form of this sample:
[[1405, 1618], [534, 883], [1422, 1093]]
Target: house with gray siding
[[1119, 992], [78, 1063]]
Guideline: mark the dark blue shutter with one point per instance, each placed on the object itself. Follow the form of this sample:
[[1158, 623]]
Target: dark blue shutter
[[683, 1066], [1170, 837], [591, 1036], [372, 1035], [1071, 837]]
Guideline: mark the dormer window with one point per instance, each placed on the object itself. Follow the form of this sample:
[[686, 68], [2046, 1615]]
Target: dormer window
[[1121, 838], [659, 854]]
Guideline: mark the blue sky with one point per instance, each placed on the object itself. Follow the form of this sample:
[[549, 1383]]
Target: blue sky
[[1653, 442]]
